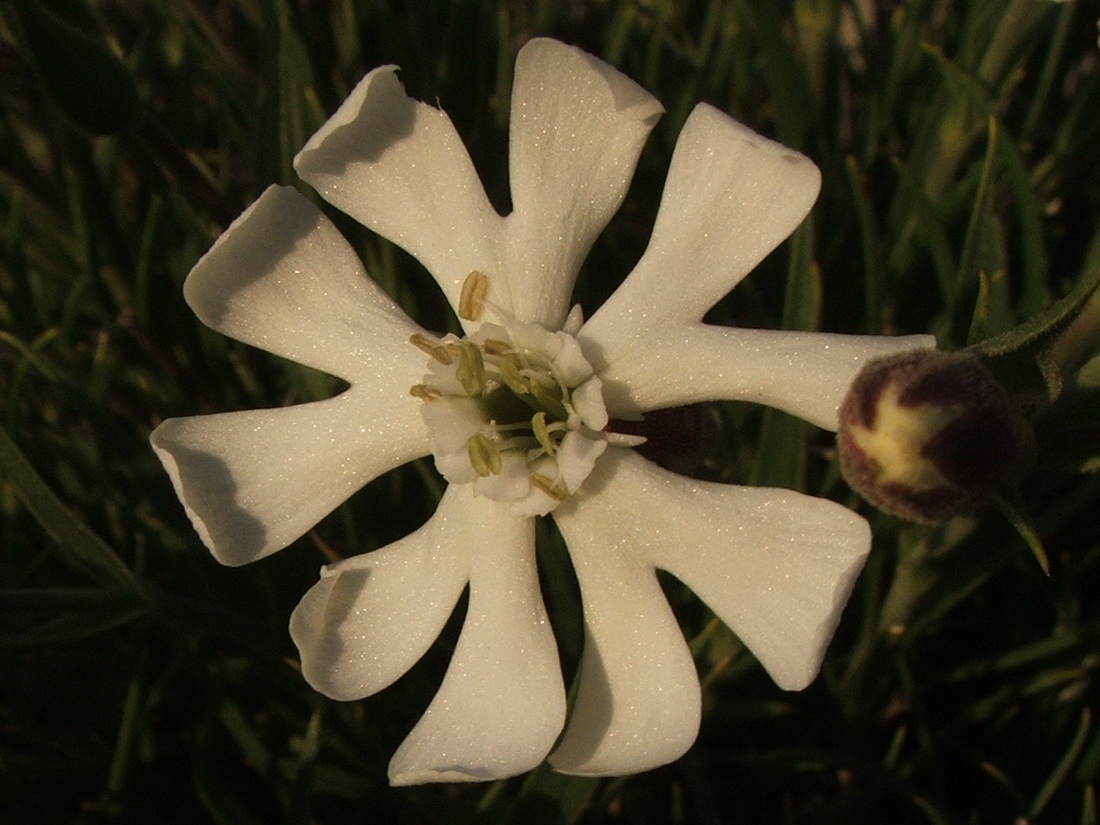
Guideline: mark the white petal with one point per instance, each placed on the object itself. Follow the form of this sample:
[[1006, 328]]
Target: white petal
[[451, 420], [371, 617], [576, 457], [804, 373], [730, 198], [255, 480], [638, 702], [456, 466], [284, 279], [577, 128], [775, 565], [502, 702], [511, 483], [399, 167], [574, 320], [588, 401], [570, 362], [527, 336], [536, 502]]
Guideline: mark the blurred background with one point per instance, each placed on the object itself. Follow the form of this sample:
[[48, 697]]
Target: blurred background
[[141, 682]]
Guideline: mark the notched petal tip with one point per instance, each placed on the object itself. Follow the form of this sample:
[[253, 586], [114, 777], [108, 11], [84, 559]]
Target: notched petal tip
[[400, 777], [371, 617], [272, 223], [232, 534], [751, 162], [762, 147], [731, 196], [775, 565], [253, 481], [502, 703], [638, 702], [627, 97], [316, 630], [162, 443], [398, 167], [797, 670], [380, 85]]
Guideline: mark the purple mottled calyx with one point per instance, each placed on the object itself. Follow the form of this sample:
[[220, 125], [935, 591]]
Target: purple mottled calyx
[[927, 435]]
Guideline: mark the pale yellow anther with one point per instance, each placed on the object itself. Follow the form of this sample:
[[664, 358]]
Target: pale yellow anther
[[510, 375], [470, 371], [442, 353], [471, 301], [484, 455], [548, 486], [547, 399], [491, 346], [542, 434], [424, 392]]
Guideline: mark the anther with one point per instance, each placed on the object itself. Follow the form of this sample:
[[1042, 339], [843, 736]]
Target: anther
[[470, 371], [471, 301], [548, 486], [542, 434], [483, 454], [439, 352]]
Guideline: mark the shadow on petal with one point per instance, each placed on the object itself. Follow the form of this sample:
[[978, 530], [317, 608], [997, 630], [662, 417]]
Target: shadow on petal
[[319, 628], [229, 525], [256, 245], [377, 116]]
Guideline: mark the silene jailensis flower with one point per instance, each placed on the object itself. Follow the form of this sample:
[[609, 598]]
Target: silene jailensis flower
[[516, 413]]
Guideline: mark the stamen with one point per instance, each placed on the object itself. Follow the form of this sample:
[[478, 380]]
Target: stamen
[[470, 371], [547, 400], [471, 301], [511, 401], [510, 375], [547, 486], [542, 434], [440, 352], [484, 456]]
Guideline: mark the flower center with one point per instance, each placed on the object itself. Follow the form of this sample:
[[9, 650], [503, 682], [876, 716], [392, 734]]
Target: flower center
[[514, 409]]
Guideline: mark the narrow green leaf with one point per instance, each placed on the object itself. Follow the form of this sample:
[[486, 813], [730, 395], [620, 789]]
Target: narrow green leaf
[[992, 307], [1047, 323], [72, 627], [82, 76], [873, 286], [80, 547], [1022, 523], [971, 262], [550, 798], [1001, 778], [224, 800], [248, 738], [1061, 770], [129, 732], [1016, 180], [1032, 356], [1088, 377]]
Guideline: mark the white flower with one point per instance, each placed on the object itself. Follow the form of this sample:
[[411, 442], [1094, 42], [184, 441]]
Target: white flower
[[522, 427]]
